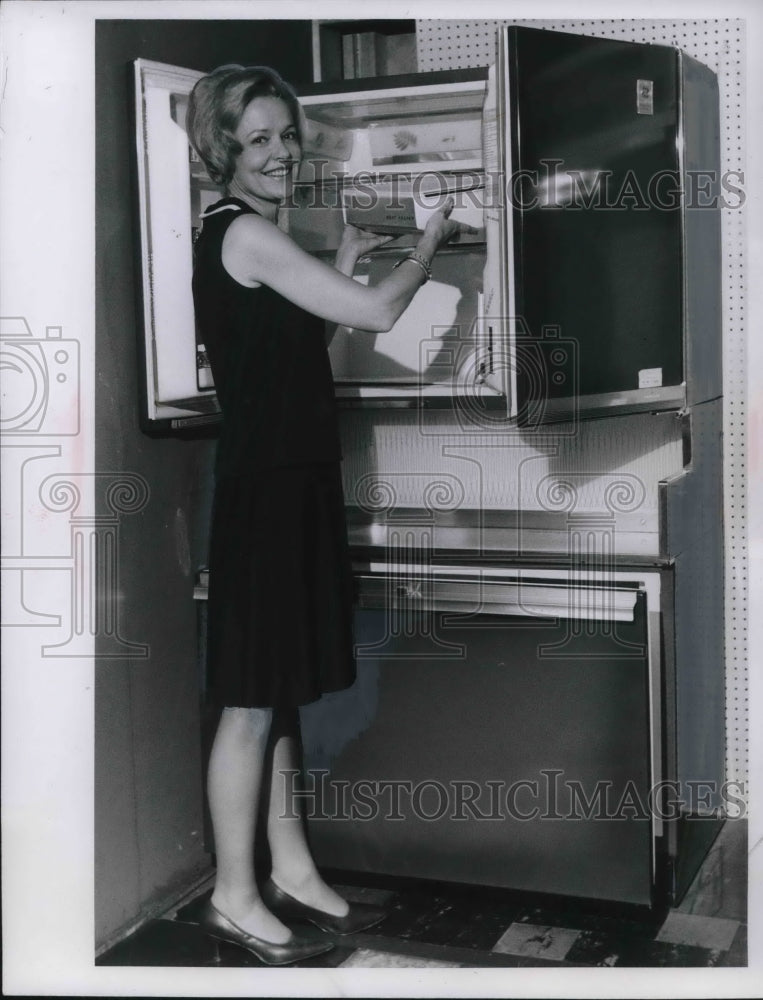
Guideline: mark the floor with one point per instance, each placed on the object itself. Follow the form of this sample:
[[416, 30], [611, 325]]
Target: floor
[[438, 926]]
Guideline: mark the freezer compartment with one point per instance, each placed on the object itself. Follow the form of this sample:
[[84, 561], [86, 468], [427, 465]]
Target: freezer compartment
[[600, 279], [488, 747], [402, 150], [394, 130]]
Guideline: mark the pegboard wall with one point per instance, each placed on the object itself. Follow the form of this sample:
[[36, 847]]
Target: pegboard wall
[[718, 44]]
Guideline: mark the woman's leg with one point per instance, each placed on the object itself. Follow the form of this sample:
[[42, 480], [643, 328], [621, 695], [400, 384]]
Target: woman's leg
[[294, 870], [234, 783]]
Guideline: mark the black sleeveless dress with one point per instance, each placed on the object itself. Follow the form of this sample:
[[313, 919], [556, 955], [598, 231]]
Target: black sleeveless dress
[[280, 593]]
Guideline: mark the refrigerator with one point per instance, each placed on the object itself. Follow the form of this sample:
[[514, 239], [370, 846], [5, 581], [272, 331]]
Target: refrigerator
[[526, 677], [589, 168]]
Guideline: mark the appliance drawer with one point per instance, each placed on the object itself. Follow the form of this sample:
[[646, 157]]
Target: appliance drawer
[[489, 741]]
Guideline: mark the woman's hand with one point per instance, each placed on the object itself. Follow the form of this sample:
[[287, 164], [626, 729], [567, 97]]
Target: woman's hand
[[356, 242], [362, 241], [440, 229]]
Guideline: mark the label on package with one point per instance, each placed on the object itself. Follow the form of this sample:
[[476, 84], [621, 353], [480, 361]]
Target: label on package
[[649, 378]]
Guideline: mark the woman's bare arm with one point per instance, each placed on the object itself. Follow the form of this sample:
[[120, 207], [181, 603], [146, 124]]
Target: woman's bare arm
[[256, 252]]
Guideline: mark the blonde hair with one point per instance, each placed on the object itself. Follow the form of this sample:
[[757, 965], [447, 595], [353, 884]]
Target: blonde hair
[[216, 106]]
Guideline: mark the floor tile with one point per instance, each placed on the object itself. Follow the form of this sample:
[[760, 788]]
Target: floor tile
[[439, 926], [663, 954], [365, 958], [596, 948], [720, 887], [410, 913], [465, 957], [467, 922], [736, 956], [702, 932], [365, 894], [536, 941], [645, 925]]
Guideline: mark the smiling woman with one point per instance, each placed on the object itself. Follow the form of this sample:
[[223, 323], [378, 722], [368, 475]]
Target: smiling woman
[[270, 153], [278, 520], [221, 103]]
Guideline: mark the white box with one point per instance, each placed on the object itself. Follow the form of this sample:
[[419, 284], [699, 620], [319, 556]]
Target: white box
[[402, 205]]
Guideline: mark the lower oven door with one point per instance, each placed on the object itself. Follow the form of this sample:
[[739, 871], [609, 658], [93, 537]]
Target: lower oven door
[[499, 733]]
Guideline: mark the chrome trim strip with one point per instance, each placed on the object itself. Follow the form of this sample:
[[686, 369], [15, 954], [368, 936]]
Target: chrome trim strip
[[446, 395], [432, 590], [511, 543], [477, 519], [631, 400]]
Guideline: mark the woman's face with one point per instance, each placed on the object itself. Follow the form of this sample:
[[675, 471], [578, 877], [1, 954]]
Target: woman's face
[[270, 153]]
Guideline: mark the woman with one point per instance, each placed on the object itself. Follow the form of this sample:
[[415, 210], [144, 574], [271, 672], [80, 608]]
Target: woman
[[280, 586]]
